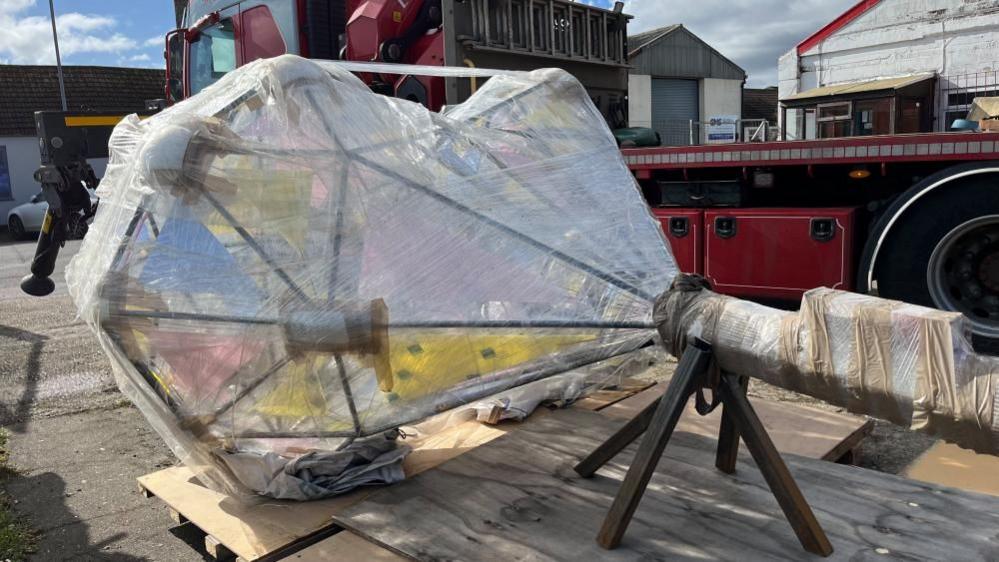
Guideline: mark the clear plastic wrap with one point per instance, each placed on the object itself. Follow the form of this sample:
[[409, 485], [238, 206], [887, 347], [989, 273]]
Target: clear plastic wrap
[[287, 262], [907, 364]]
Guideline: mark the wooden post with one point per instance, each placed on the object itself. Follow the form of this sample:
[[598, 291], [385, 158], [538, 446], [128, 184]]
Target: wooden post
[[778, 477], [690, 371], [728, 437]]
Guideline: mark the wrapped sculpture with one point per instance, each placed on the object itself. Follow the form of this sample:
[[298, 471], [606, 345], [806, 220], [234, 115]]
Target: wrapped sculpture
[[287, 266], [288, 262]]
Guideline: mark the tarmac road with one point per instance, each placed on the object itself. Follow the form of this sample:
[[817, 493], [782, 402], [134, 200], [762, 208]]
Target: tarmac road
[[77, 444], [50, 362]]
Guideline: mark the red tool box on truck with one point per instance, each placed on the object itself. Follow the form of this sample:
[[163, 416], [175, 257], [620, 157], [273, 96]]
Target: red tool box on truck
[[684, 228], [746, 250]]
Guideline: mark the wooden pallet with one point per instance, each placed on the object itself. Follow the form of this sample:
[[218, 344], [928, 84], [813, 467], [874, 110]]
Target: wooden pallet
[[272, 530]]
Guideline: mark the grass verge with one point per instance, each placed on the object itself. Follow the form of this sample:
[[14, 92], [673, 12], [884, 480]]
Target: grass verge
[[17, 539]]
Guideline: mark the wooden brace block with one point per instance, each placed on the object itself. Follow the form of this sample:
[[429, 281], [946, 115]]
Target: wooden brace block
[[177, 517], [217, 550]]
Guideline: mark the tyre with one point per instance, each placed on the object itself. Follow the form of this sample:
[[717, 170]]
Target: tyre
[[944, 253], [16, 228], [76, 227]]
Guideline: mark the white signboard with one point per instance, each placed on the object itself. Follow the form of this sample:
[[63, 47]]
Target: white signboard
[[721, 129]]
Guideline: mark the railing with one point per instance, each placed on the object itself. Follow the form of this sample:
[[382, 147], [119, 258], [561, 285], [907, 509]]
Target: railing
[[687, 132], [956, 92], [555, 28]]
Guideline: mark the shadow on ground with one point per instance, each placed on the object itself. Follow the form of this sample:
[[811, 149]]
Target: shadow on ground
[[14, 418], [64, 535]]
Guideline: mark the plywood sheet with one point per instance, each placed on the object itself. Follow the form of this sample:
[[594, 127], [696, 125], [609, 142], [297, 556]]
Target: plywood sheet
[[801, 430], [257, 531], [516, 498], [345, 547]]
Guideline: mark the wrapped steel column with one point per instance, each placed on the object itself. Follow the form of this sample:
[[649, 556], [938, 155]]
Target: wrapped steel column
[[907, 364]]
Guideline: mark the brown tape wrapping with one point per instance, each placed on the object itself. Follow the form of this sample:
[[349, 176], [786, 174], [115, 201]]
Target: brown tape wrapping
[[956, 389], [820, 378], [863, 353], [872, 381]]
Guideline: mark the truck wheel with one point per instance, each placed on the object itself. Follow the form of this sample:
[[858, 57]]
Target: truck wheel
[[76, 227], [16, 228], [945, 254]]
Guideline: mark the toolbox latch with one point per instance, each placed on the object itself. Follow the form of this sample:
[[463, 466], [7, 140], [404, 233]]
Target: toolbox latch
[[725, 227], [822, 229], [679, 226]]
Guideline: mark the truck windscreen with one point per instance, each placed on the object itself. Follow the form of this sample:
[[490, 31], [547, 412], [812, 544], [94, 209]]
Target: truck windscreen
[[212, 55]]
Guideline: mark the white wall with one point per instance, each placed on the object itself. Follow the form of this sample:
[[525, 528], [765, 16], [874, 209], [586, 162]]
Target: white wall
[[719, 97], [23, 159], [639, 100], [898, 38]]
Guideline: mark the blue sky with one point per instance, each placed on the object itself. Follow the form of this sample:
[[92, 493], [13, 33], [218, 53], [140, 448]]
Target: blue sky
[[753, 33], [109, 32]]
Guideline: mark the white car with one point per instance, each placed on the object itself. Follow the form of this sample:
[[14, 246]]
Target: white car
[[28, 217]]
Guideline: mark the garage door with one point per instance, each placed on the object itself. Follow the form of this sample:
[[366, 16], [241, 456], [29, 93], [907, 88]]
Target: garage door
[[674, 105]]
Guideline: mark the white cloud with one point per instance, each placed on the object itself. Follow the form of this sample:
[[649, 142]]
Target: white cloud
[[28, 39], [157, 41], [752, 33], [139, 58]]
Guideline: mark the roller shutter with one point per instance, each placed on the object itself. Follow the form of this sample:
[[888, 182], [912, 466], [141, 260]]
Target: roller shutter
[[674, 105]]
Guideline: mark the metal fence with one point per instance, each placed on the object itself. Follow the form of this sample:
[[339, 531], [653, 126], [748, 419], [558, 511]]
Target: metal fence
[[687, 132]]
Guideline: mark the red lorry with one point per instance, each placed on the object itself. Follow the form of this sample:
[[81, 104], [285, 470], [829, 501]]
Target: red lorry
[[912, 217]]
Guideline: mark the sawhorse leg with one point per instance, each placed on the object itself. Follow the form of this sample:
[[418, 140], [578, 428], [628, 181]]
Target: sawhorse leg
[[658, 421], [775, 471]]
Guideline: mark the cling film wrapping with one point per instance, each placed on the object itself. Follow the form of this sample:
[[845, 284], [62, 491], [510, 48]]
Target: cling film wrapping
[[287, 266], [910, 365]]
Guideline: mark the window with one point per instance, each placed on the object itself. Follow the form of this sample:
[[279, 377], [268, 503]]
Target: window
[[833, 111], [952, 116], [6, 193], [260, 34], [799, 123], [873, 117], [834, 120], [212, 55]]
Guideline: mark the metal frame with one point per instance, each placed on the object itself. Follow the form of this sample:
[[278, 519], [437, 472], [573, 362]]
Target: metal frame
[[114, 304]]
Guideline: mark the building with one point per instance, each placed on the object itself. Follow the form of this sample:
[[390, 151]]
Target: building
[[890, 66], [760, 104], [26, 89], [759, 114], [677, 82]]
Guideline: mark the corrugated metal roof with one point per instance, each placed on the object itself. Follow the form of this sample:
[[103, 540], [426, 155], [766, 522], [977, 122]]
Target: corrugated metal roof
[[639, 41], [674, 52], [26, 89], [860, 87]]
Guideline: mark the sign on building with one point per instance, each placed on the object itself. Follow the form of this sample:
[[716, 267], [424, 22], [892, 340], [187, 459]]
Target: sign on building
[[721, 129]]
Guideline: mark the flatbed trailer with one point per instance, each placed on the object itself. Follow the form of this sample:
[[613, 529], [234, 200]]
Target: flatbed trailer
[[912, 217]]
